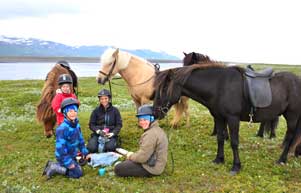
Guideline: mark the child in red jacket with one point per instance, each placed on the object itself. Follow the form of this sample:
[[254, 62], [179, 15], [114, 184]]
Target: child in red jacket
[[65, 84]]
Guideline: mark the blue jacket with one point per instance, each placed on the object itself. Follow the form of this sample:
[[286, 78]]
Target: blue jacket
[[69, 140]]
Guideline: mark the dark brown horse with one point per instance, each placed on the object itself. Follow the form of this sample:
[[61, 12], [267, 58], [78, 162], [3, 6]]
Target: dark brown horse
[[197, 58], [221, 90], [44, 111]]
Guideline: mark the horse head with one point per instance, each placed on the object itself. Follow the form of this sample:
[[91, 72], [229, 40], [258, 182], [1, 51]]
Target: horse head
[[195, 58], [167, 93], [110, 65]]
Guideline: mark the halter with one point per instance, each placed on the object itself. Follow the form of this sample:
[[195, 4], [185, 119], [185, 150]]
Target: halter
[[110, 72]]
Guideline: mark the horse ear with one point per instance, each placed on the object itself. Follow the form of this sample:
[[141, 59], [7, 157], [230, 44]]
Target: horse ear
[[184, 54], [116, 53]]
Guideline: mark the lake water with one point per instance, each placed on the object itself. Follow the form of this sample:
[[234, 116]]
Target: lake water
[[22, 71]]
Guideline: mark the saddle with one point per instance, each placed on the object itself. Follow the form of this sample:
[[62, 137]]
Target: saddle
[[259, 88]]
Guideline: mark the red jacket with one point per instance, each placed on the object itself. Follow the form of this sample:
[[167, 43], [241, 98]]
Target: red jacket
[[56, 105]]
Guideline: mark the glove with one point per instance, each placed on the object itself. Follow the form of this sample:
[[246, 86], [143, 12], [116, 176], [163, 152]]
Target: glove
[[58, 91], [100, 132], [109, 135], [128, 155]]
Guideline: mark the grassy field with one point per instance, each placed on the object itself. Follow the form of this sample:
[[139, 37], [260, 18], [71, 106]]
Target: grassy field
[[24, 150]]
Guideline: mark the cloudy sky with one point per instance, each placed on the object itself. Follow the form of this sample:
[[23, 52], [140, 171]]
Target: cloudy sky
[[234, 30]]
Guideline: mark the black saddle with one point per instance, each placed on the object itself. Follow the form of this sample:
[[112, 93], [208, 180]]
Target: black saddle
[[259, 89]]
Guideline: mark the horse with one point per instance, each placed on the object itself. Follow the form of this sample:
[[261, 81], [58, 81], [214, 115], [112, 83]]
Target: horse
[[197, 58], [139, 75], [221, 90], [44, 111]]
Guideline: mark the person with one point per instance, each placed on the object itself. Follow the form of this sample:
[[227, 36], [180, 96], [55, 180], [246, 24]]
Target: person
[[65, 86], [151, 158], [69, 141], [105, 124]]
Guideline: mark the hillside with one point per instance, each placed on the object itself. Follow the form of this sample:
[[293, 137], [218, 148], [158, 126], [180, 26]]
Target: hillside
[[13, 46]]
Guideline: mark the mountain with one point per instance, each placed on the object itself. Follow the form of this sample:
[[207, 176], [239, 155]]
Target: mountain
[[13, 46]]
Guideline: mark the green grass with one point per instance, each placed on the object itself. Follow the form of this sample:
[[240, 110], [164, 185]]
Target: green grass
[[24, 150]]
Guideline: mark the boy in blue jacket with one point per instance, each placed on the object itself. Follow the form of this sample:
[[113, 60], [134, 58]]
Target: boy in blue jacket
[[69, 140]]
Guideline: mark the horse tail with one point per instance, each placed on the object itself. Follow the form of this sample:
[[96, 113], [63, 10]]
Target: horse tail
[[180, 108], [297, 136]]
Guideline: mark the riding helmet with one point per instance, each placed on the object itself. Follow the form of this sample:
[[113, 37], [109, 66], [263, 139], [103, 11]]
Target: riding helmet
[[69, 101], [104, 92], [64, 63], [145, 110], [65, 79]]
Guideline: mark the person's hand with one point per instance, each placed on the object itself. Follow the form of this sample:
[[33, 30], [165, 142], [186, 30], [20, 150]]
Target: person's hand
[[88, 157], [128, 155], [100, 132], [109, 135], [58, 91], [72, 166]]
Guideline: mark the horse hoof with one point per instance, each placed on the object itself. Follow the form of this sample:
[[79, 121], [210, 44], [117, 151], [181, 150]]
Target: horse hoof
[[279, 162], [218, 161], [233, 173]]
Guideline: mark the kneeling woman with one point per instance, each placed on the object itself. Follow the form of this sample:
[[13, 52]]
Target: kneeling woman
[[151, 158]]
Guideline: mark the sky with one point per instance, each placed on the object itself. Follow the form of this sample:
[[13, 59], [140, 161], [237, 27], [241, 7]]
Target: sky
[[267, 31]]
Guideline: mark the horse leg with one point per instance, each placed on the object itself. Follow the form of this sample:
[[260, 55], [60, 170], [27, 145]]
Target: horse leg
[[261, 129], [220, 125], [274, 124], [233, 123], [291, 121], [48, 127]]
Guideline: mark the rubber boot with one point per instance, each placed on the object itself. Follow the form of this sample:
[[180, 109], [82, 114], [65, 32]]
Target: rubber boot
[[47, 167], [55, 168]]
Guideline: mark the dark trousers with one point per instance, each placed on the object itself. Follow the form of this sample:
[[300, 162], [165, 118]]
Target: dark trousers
[[76, 172], [109, 145], [130, 168]]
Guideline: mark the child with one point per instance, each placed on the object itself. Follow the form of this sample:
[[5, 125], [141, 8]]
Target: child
[[65, 84], [69, 141]]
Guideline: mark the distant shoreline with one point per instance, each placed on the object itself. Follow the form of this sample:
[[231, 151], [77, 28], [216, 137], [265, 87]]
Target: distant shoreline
[[13, 59]]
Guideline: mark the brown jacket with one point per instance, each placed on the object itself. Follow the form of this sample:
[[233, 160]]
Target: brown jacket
[[153, 140]]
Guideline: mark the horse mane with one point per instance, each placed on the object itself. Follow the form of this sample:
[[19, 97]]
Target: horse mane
[[180, 75], [198, 58], [44, 110]]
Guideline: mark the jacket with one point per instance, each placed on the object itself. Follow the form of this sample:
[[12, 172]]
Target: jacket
[[69, 140], [106, 118], [56, 105], [153, 142]]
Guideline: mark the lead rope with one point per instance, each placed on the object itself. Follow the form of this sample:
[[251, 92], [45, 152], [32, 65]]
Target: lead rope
[[169, 146]]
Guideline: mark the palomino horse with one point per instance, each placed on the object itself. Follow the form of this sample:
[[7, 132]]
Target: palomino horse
[[139, 75], [44, 111], [197, 58], [221, 90]]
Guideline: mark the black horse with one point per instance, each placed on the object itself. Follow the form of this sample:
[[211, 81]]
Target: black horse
[[221, 90], [197, 58]]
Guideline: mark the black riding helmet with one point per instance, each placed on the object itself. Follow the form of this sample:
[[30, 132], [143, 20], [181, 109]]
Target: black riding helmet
[[145, 110], [69, 101], [64, 63], [104, 92], [65, 79]]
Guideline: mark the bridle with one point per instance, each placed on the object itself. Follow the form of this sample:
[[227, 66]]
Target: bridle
[[110, 72]]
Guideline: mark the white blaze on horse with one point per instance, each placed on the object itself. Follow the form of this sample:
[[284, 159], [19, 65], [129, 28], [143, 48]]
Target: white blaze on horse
[[139, 74]]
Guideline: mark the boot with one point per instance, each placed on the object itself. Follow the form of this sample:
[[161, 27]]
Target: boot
[[55, 168], [47, 167]]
